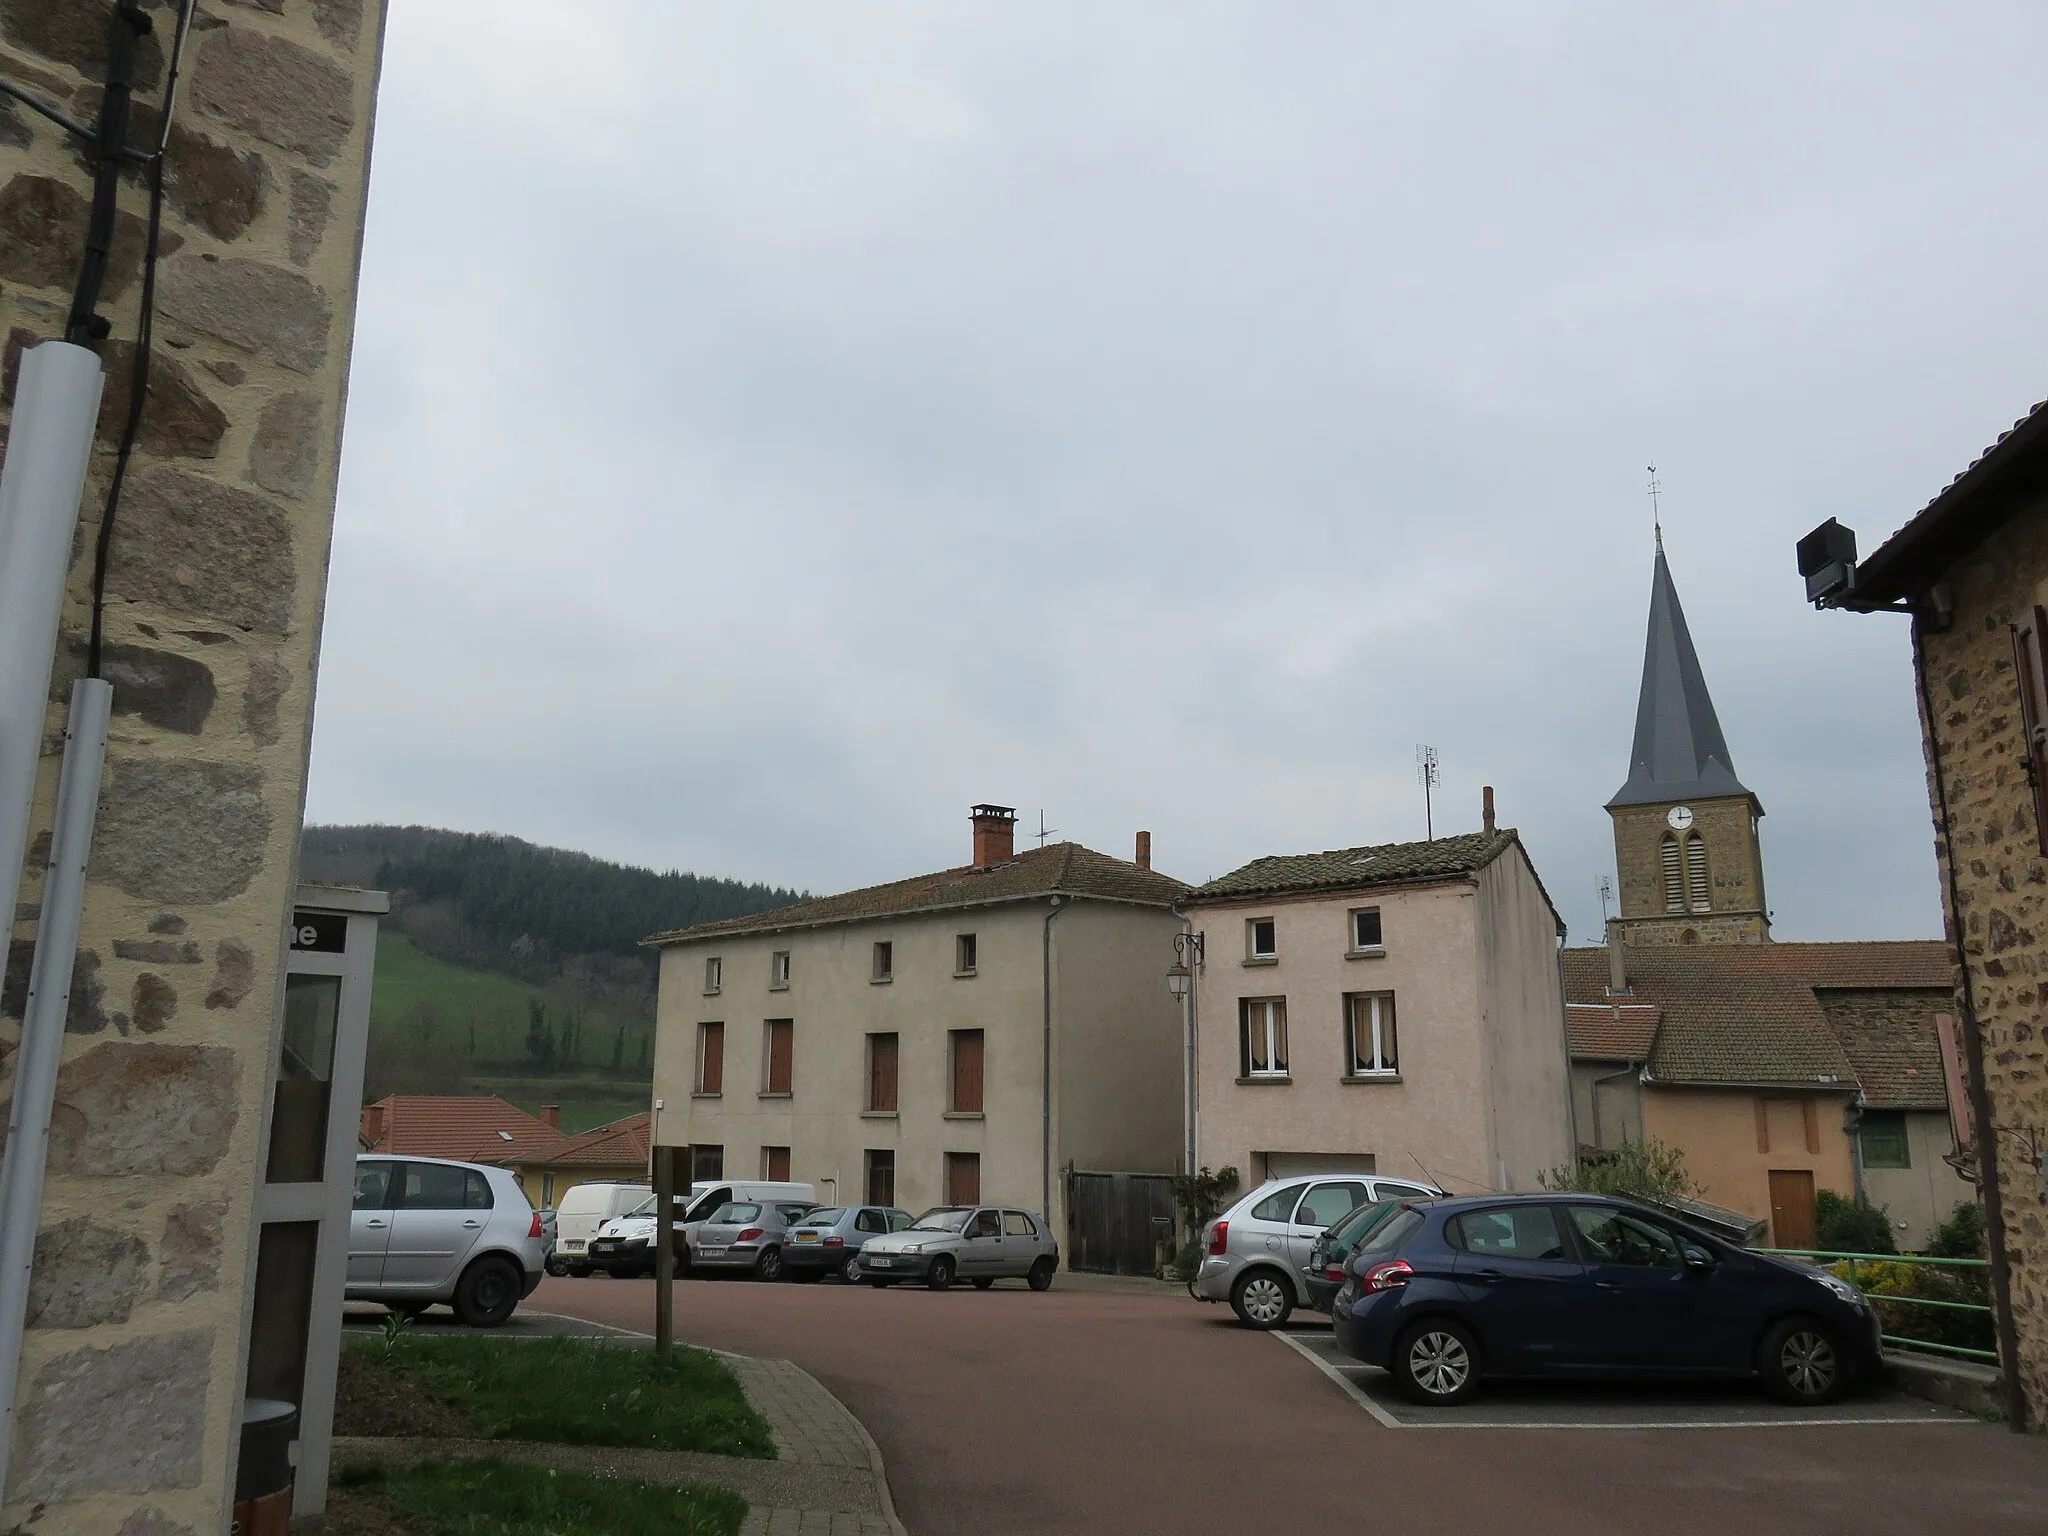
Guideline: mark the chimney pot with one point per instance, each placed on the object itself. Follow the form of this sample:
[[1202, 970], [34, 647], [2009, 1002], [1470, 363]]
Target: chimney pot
[[551, 1116], [1617, 961], [1144, 850], [995, 835], [1486, 806]]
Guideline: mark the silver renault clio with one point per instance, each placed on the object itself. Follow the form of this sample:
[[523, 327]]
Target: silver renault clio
[[981, 1243]]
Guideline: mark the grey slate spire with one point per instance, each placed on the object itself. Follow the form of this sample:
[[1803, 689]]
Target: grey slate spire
[[1680, 753]]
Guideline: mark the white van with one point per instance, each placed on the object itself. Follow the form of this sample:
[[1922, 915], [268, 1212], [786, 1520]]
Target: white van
[[625, 1245], [582, 1211]]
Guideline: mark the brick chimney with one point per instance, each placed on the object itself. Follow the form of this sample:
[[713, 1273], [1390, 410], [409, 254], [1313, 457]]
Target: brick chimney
[[372, 1131], [1486, 807], [1144, 850], [995, 835], [551, 1116], [1617, 961]]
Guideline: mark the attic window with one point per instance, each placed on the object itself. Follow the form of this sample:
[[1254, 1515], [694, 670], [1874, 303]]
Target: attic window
[[504, 1135]]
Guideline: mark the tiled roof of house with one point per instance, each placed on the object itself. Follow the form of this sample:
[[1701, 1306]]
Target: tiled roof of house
[[482, 1129], [1344, 869], [1611, 1031], [621, 1144], [1741, 1014], [1064, 867], [1891, 1042]]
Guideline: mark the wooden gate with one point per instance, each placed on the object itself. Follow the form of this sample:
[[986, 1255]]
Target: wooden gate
[[1118, 1222]]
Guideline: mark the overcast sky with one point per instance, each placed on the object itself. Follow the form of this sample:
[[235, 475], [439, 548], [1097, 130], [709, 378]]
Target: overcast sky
[[775, 428]]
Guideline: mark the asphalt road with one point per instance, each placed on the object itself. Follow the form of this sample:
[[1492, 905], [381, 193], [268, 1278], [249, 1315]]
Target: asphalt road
[[1120, 1410]]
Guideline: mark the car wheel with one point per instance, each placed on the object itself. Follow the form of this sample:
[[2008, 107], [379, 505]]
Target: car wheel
[[1799, 1363], [487, 1292], [554, 1266], [769, 1265], [852, 1273], [941, 1275], [984, 1282], [1261, 1299], [1437, 1362], [579, 1271], [1041, 1275]]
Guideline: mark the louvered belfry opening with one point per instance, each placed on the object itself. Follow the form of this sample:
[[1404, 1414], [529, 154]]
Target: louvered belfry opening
[[1674, 877], [1696, 873]]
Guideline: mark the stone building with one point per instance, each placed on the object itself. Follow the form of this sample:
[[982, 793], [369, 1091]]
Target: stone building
[[1970, 570], [954, 1037], [132, 1373]]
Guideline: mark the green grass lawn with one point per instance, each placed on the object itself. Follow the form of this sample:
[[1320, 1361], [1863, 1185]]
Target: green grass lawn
[[584, 1392], [496, 1498]]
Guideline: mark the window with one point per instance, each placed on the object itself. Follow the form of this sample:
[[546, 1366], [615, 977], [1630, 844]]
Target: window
[[1262, 1037], [436, 1187], [1327, 1204], [775, 1164], [778, 971], [706, 1163], [1696, 874], [373, 1184], [1017, 1224], [714, 975], [1259, 939], [1277, 1206], [1369, 1035], [1365, 929], [901, 1221], [985, 1224], [778, 1040], [885, 961], [966, 1071], [871, 1221], [1609, 1237], [711, 1058], [2030, 671], [1510, 1232], [963, 954], [1882, 1137], [547, 1190], [1674, 877], [881, 1174], [882, 1074], [963, 1178]]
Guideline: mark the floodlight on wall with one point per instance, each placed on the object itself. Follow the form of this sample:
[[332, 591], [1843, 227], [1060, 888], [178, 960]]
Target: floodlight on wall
[[1827, 559]]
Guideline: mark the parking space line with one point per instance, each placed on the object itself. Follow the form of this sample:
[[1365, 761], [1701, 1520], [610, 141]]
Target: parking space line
[[1358, 1395]]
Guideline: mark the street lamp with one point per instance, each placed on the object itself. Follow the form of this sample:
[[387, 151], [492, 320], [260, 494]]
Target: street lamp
[[1180, 980]]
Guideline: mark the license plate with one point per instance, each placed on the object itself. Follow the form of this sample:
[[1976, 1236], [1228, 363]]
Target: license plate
[[573, 1244], [807, 1237], [603, 1247], [878, 1262], [710, 1253]]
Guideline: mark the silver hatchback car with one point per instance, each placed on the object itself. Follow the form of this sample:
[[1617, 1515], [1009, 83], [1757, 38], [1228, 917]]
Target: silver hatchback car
[[746, 1235], [425, 1229], [1256, 1254], [981, 1243]]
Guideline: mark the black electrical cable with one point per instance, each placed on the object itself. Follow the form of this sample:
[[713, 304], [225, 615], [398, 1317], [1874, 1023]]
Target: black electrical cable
[[126, 28], [145, 328], [37, 104]]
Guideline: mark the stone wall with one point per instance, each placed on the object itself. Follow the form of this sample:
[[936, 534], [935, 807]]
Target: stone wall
[[132, 1374], [2002, 890]]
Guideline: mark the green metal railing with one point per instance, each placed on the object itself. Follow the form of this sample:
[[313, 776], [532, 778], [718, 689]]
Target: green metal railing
[[1856, 1269]]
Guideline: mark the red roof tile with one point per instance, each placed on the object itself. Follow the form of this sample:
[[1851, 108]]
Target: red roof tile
[[621, 1144], [1611, 1031], [482, 1129]]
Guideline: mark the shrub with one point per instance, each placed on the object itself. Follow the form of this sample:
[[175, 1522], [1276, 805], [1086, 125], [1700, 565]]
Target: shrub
[[1199, 1197], [1962, 1235], [1647, 1170], [1841, 1225]]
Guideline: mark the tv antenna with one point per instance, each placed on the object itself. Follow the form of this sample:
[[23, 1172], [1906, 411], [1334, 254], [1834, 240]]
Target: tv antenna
[[1425, 770], [1043, 830], [1656, 515], [1606, 899]]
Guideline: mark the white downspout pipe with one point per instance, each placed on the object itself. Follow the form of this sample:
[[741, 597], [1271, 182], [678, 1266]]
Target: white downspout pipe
[[56, 402], [42, 1029]]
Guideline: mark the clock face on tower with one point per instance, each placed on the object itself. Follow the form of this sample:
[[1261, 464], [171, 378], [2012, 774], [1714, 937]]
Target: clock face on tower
[[1680, 817]]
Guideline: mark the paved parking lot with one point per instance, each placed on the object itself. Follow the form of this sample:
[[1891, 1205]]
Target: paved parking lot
[[1124, 1408]]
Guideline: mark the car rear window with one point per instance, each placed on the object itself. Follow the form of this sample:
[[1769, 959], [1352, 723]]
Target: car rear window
[[1508, 1232], [1391, 1234], [733, 1211], [1277, 1206], [824, 1217]]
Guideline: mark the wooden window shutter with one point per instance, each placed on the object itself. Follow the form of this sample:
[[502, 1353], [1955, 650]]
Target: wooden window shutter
[[780, 1033], [882, 1072], [2030, 664], [711, 1073], [967, 1071]]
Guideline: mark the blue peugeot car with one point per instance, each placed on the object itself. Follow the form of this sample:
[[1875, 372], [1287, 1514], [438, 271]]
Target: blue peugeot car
[[1448, 1292]]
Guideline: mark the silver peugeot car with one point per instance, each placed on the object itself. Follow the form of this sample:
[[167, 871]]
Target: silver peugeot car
[[1256, 1254], [747, 1235], [981, 1243], [425, 1229]]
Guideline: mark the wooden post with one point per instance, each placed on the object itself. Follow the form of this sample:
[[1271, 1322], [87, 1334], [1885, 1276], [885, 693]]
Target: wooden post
[[664, 1251]]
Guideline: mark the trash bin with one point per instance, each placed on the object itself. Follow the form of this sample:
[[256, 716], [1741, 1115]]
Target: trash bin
[[263, 1481]]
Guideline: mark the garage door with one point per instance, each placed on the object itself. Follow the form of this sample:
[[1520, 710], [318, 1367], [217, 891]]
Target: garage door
[[1285, 1165]]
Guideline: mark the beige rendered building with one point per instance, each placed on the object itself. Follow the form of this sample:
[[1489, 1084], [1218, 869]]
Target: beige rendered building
[[960, 1036], [1393, 1009]]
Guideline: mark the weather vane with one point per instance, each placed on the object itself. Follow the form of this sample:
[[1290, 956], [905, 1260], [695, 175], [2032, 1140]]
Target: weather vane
[[1656, 515]]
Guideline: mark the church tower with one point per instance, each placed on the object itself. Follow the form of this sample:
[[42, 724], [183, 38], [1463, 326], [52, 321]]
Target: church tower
[[1685, 828]]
